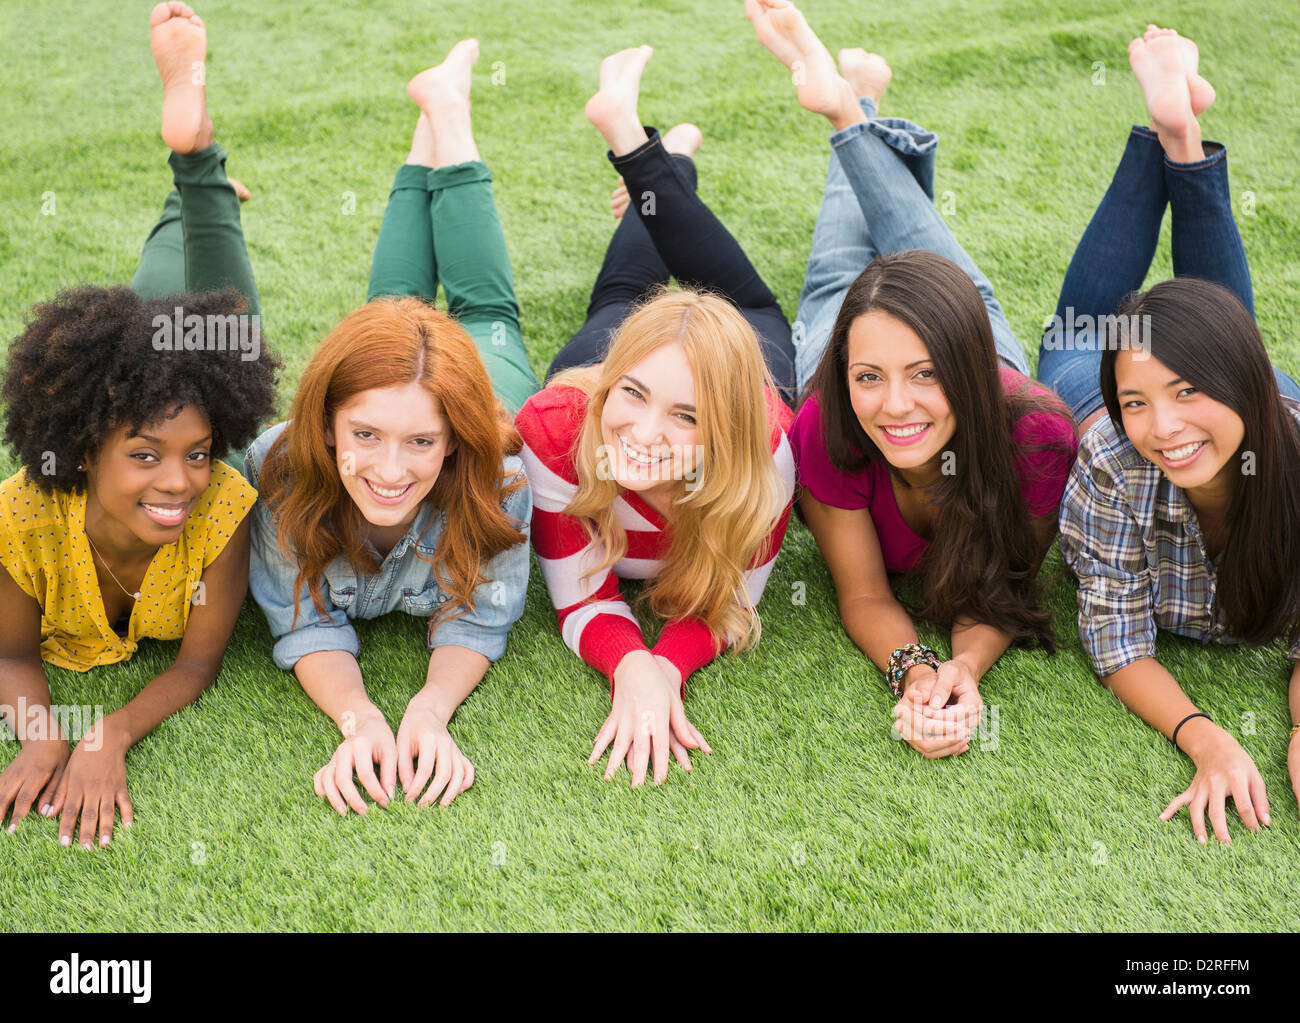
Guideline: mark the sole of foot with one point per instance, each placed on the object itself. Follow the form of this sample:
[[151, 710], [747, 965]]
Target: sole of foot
[[614, 106], [784, 31], [179, 42], [867, 73], [448, 82], [1202, 92], [1158, 65]]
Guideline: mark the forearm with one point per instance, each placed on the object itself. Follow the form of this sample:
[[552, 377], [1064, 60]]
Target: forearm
[[978, 646], [878, 625], [25, 700], [177, 687], [332, 678], [1147, 689], [1293, 695], [454, 673]]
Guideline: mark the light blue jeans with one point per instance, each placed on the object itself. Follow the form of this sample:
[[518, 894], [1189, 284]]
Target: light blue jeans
[[879, 199]]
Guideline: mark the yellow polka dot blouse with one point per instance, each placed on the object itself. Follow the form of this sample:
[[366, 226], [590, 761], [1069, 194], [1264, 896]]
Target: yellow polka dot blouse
[[43, 546]]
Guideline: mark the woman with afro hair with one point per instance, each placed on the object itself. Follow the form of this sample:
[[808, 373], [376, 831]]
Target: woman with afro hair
[[120, 525]]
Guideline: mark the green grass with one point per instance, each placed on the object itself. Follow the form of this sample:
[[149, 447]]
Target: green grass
[[807, 815]]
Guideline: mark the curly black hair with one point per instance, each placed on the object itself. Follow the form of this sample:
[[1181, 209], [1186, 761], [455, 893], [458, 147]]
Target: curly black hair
[[87, 364]]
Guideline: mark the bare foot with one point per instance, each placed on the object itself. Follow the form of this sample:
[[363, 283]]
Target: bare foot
[[684, 139], [180, 44], [1158, 64], [442, 94], [1203, 94], [867, 73], [613, 110], [449, 82], [240, 189], [782, 28]]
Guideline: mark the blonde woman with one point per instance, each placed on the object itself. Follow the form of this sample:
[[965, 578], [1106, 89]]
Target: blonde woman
[[659, 449], [667, 462]]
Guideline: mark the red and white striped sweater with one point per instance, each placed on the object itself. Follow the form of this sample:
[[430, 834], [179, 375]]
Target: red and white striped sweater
[[595, 620]]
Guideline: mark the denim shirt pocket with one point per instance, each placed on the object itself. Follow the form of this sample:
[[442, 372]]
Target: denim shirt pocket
[[423, 602], [342, 583]]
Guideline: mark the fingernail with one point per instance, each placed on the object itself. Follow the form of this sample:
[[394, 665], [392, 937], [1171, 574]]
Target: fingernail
[[1266, 821], [1201, 840], [126, 824], [86, 845], [47, 810], [103, 840], [64, 840]]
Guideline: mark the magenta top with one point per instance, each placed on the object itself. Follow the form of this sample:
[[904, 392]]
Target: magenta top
[[1042, 473]]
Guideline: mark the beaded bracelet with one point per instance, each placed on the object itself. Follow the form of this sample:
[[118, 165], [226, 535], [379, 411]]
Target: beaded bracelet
[[908, 656]]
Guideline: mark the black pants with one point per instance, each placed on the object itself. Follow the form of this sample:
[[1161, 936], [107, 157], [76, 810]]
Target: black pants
[[683, 239]]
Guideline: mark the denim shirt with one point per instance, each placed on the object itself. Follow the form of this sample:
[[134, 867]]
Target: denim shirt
[[405, 582]]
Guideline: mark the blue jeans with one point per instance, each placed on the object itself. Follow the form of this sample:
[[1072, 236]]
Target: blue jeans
[[879, 199], [1114, 255]]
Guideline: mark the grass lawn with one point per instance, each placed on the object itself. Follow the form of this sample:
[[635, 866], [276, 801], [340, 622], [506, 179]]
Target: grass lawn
[[808, 815]]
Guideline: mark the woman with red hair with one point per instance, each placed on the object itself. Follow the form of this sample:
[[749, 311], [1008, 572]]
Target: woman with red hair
[[395, 483]]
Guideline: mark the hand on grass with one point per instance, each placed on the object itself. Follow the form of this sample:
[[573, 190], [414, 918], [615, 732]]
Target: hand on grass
[[646, 721], [32, 779], [682, 734], [368, 743], [423, 744], [93, 787], [936, 732], [1223, 769]]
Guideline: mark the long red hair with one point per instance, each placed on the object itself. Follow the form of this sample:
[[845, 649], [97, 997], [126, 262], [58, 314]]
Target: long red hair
[[392, 342]]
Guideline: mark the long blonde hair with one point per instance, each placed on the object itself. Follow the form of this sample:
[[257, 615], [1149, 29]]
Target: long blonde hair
[[722, 523]]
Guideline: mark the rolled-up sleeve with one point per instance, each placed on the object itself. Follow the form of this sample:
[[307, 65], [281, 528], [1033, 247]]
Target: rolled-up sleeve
[[1103, 545], [499, 598], [270, 579], [271, 574]]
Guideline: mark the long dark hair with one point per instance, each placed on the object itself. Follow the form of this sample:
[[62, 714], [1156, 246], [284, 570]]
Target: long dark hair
[[1203, 333], [982, 562]]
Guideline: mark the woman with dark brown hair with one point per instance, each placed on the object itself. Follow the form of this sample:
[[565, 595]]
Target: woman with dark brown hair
[[923, 448], [395, 485]]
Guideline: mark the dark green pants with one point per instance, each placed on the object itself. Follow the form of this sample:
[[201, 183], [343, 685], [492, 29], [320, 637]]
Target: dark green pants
[[442, 225], [198, 243]]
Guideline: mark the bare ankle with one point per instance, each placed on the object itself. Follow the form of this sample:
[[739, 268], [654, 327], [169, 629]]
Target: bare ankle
[[1183, 147]]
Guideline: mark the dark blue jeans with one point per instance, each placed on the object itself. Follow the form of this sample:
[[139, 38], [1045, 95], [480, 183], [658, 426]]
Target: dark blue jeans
[[1114, 255], [682, 239]]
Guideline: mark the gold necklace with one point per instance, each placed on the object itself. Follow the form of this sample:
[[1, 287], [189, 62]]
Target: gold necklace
[[133, 596]]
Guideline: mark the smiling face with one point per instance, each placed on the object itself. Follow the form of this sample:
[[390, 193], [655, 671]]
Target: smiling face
[[389, 444], [895, 393], [143, 487], [1190, 436], [649, 426]]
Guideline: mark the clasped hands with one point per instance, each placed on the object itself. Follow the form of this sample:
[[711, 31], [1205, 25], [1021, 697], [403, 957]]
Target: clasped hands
[[939, 709]]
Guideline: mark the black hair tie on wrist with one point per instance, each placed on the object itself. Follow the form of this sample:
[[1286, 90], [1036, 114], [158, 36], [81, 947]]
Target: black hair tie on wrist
[[1189, 717]]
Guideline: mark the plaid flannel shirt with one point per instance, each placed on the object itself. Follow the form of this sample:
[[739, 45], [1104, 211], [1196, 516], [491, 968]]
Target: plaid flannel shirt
[[1134, 542]]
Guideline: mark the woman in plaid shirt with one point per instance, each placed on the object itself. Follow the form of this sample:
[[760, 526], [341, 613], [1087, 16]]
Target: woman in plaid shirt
[[1183, 508]]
